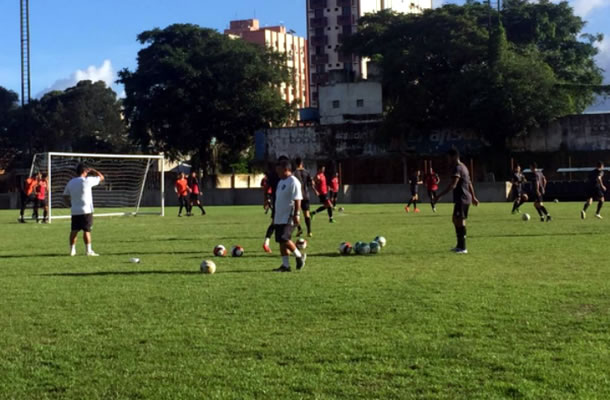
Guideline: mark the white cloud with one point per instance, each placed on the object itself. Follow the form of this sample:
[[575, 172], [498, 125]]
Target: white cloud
[[104, 73], [585, 7], [603, 58]]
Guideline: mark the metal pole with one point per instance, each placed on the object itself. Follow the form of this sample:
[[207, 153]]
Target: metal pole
[[50, 187], [163, 186]]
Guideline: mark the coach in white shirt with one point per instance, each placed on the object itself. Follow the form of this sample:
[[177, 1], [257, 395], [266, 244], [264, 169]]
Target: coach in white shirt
[[78, 195], [288, 196]]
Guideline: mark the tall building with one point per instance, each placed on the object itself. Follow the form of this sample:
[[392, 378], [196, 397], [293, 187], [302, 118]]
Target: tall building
[[329, 22], [278, 39]]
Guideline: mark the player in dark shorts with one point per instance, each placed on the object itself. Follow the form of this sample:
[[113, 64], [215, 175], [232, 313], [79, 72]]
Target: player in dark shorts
[[432, 180], [463, 197], [538, 190], [517, 194], [321, 190], [306, 182], [28, 194], [272, 180], [181, 187], [193, 183], [414, 183], [596, 190], [41, 199], [334, 190]]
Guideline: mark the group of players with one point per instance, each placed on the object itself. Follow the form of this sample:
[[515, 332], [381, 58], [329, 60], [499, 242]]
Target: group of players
[[34, 192], [188, 191]]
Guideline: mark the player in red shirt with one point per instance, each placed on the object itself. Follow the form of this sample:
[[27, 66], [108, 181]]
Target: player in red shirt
[[41, 199], [28, 194], [432, 181], [193, 182], [321, 189], [182, 190], [334, 189]]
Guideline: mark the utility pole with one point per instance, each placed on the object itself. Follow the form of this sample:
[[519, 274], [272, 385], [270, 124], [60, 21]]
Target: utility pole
[[26, 91]]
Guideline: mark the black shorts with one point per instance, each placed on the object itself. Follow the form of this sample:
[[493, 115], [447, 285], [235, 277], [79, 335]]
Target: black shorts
[[517, 194], [194, 197], [305, 206], [283, 233], [323, 198], [460, 210], [595, 194], [41, 203], [25, 199], [537, 198], [82, 222]]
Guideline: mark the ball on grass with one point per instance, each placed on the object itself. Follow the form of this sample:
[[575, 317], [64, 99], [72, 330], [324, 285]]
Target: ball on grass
[[134, 260], [207, 267], [345, 248], [301, 244], [526, 217], [381, 240], [237, 251], [220, 251]]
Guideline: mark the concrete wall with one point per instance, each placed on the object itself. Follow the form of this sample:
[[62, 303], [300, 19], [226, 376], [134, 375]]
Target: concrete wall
[[341, 100]]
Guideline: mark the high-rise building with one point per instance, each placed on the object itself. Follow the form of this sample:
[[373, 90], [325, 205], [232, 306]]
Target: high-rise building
[[278, 39], [329, 22]]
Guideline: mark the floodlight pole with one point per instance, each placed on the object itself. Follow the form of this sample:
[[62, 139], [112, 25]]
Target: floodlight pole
[[24, 23]]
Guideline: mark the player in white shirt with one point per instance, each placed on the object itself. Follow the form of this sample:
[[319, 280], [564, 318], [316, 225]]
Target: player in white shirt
[[288, 198], [78, 195]]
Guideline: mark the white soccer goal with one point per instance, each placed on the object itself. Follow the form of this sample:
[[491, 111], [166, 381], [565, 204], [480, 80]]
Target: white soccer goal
[[133, 185]]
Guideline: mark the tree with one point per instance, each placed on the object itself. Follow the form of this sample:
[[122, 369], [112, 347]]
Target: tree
[[8, 105], [194, 86], [446, 68]]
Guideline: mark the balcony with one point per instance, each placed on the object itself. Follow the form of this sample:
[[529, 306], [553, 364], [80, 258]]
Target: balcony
[[319, 40], [319, 79], [344, 3], [313, 4], [343, 20], [319, 59], [321, 22]]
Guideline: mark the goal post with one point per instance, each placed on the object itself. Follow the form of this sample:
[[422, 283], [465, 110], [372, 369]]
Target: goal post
[[133, 184]]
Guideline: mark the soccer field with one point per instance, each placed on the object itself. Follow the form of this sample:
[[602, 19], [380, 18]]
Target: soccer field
[[525, 315]]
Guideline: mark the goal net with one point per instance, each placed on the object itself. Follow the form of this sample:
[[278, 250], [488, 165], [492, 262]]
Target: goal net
[[133, 184]]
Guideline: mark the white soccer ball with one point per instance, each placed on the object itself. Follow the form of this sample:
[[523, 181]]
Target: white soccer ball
[[526, 217], [345, 248], [301, 244], [237, 251], [381, 240], [556, 200], [134, 260], [220, 251], [341, 209], [207, 267]]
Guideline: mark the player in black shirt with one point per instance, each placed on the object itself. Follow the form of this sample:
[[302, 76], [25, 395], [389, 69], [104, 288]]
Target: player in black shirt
[[306, 182], [414, 183], [595, 191], [518, 196], [538, 190], [463, 196]]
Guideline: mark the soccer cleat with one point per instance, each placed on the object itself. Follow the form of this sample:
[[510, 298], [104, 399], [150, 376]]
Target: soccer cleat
[[542, 219], [407, 209], [21, 221], [310, 234], [417, 210], [179, 215], [266, 248], [92, 254], [461, 251], [282, 268], [583, 214], [332, 221], [72, 254], [301, 262], [549, 218], [598, 216], [434, 209]]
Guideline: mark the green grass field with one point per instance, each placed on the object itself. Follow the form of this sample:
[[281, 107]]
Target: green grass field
[[525, 315]]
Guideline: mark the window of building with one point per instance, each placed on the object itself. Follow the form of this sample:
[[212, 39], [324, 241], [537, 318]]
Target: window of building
[[320, 68], [347, 30], [319, 31], [347, 11], [318, 12], [336, 104], [360, 103], [319, 50]]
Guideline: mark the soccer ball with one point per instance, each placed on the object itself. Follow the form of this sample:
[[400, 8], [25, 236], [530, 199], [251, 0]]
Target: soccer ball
[[363, 248], [237, 251], [526, 217], [381, 240], [301, 244], [341, 209], [345, 248], [207, 267], [374, 247], [134, 260], [556, 200], [220, 251]]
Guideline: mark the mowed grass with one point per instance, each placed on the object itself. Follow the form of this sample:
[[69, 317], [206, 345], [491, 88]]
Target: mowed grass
[[525, 315]]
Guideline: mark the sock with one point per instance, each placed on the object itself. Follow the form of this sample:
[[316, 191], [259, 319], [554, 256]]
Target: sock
[[46, 215], [89, 249], [180, 210], [266, 241], [308, 223], [409, 203], [269, 233], [330, 212], [72, 248], [201, 208], [543, 208], [461, 237], [599, 207], [415, 204], [432, 204], [286, 261], [297, 253], [319, 209], [515, 206], [539, 212], [586, 206]]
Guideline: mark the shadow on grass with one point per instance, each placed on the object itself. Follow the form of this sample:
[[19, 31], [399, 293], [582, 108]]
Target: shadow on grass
[[135, 273]]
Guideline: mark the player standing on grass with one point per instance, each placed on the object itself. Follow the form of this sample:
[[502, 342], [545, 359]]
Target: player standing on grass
[[272, 181], [334, 189], [28, 194], [518, 180], [432, 181], [41, 199], [306, 182], [78, 195], [182, 190], [463, 196], [287, 208], [595, 191], [538, 190], [321, 190], [414, 182], [195, 189]]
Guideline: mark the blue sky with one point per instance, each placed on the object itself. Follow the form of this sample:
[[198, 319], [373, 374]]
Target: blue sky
[[74, 40]]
